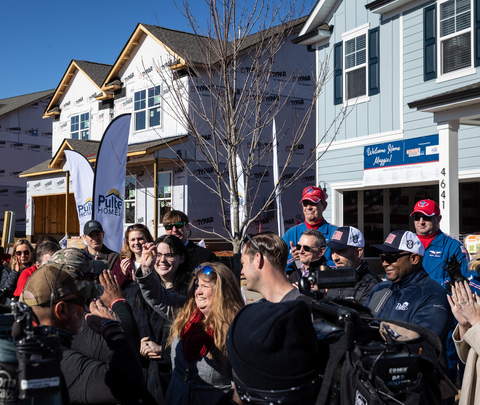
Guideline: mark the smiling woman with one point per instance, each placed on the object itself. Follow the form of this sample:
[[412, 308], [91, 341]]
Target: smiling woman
[[201, 370]]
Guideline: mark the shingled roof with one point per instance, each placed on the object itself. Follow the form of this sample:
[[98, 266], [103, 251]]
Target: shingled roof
[[7, 105], [96, 71]]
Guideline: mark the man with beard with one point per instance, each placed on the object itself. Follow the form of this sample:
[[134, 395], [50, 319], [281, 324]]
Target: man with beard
[[58, 296]]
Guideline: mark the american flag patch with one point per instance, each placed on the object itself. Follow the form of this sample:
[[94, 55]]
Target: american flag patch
[[390, 239], [337, 235]]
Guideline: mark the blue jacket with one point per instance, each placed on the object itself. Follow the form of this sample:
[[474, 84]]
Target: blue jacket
[[440, 250], [294, 234], [417, 299]]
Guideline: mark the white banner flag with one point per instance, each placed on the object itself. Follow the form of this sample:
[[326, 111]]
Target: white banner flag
[[81, 174], [241, 194], [109, 183], [278, 199]]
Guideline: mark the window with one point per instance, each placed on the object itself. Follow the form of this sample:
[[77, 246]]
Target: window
[[455, 28], [130, 200], [79, 126], [164, 193], [147, 108], [357, 65]]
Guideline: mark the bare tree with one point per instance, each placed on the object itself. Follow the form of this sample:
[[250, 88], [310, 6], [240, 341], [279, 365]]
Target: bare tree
[[235, 112]]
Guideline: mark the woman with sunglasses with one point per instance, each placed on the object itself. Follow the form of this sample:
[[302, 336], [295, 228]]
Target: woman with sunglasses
[[22, 257], [201, 370], [173, 271]]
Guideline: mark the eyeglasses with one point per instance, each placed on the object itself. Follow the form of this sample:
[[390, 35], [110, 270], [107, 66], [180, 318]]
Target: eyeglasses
[[207, 270], [167, 255], [393, 257], [305, 247], [417, 217], [22, 252], [139, 226], [177, 225]]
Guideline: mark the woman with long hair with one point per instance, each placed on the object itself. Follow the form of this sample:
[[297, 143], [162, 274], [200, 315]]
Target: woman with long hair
[[22, 257], [154, 329], [135, 236], [201, 370]]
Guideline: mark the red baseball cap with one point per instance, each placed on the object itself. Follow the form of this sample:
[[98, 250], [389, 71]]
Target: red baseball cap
[[313, 194], [426, 207]]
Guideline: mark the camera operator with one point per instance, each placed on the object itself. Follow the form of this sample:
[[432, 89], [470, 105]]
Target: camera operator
[[274, 354], [409, 295], [347, 245], [58, 296]]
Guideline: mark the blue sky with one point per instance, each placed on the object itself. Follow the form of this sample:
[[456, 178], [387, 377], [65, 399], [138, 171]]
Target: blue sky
[[39, 39]]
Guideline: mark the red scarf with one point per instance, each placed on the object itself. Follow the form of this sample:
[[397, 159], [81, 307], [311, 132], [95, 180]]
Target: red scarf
[[196, 341], [426, 240], [316, 225]]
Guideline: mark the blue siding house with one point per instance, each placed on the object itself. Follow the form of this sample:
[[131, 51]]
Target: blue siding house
[[398, 119]]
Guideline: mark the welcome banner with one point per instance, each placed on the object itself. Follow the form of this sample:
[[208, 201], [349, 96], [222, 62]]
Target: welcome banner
[[400, 162], [81, 174], [109, 182]]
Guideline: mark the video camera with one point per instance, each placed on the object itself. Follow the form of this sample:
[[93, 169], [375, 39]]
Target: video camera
[[369, 360], [29, 357]]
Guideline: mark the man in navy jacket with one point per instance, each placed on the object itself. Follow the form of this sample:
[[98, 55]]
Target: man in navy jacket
[[409, 295]]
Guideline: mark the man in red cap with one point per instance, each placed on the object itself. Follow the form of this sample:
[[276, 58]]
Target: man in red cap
[[439, 247], [314, 204]]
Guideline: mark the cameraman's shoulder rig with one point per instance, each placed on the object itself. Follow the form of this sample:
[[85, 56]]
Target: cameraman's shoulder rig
[[375, 361]]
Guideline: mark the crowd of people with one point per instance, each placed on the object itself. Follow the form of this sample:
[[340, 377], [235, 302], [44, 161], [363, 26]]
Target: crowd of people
[[165, 322]]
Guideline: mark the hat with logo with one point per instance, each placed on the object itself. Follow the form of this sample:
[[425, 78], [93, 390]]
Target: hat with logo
[[346, 236], [426, 207], [43, 281], [402, 241], [91, 226], [313, 194], [79, 260]]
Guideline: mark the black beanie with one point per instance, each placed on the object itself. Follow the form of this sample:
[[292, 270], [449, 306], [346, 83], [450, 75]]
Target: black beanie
[[273, 346]]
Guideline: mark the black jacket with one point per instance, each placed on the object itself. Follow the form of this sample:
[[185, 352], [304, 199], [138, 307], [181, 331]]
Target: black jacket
[[199, 255], [105, 254]]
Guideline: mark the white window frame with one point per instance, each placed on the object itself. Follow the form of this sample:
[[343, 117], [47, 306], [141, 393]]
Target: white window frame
[[147, 109], [79, 130], [460, 72], [130, 200], [163, 199], [346, 36]]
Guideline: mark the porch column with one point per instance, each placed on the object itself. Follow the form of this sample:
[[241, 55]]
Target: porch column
[[448, 177]]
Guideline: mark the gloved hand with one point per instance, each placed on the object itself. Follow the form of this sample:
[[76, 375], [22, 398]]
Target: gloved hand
[[454, 270]]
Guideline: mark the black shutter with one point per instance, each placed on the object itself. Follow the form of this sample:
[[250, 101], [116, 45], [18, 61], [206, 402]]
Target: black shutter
[[476, 33], [338, 75], [374, 61], [430, 42]]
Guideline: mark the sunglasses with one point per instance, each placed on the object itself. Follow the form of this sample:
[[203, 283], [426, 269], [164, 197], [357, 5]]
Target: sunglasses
[[22, 252], [305, 247], [417, 217], [248, 237], [177, 225], [136, 226], [207, 270], [393, 257]]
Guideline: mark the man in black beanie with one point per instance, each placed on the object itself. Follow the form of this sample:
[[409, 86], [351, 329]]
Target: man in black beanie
[[274, 354]]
